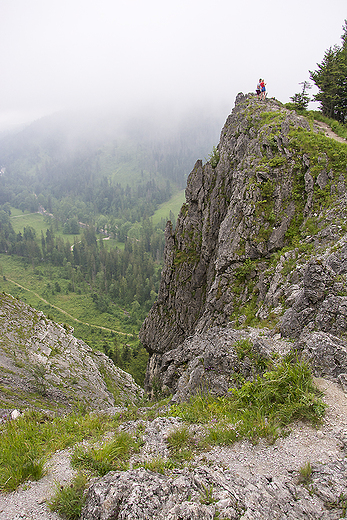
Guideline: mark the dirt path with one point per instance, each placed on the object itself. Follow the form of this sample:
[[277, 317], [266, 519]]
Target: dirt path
[[29, 501], [329, 133], [66, 313]]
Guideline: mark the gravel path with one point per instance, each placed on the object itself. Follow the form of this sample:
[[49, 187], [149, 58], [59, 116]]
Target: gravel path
[[29, 500], [287, 455], [329, 133]]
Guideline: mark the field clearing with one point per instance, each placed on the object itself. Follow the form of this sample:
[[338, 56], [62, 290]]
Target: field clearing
[[174, 205], [20, 220], [111, 243], [77, 310]]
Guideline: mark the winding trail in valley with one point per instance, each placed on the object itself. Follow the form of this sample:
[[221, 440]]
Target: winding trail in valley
[[66, 313]]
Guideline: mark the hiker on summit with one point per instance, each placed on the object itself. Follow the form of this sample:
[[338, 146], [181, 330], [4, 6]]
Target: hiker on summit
[[263, 89], [258, 89]]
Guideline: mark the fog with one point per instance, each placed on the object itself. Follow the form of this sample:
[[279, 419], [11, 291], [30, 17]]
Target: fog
[[159, 56]]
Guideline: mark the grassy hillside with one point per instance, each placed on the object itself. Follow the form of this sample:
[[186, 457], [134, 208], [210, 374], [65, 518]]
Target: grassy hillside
[[46, 288], [173, 205]]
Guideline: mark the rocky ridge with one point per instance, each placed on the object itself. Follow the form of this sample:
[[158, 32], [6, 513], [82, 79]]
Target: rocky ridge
[[255, 269], [42, 365], [260, 242]]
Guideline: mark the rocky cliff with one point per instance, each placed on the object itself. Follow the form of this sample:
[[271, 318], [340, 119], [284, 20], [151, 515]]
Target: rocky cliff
[[255, 270], [42, 365], [259, 254]]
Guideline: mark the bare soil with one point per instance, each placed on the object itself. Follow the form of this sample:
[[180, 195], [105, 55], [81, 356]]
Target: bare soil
[[329, 133]]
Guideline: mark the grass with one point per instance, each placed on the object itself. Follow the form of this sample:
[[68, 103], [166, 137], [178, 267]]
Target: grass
[[305, 473], [173, 205], [340, 503], [20, 220], [68, 500], [206, 495], [260, 408], [112, 455], [181, 444], [27, 442], [158, 465], [317, 144], [85, 317]]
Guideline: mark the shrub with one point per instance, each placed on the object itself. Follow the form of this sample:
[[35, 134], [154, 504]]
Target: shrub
[[214, 157]]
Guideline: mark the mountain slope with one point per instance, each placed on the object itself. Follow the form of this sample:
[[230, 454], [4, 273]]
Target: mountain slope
[[42, 365], [260, 241]]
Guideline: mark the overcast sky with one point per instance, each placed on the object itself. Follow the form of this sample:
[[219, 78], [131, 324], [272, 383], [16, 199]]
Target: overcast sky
[[58, 54]]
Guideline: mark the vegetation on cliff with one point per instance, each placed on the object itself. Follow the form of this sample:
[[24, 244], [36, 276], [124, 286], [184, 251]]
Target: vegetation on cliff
[[252, 223]]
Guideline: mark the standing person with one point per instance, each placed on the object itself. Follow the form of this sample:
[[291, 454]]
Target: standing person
[[258, 89], [263, 89]]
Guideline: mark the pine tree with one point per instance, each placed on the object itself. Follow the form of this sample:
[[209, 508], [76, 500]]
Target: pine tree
[[301, 99], [331, 80]]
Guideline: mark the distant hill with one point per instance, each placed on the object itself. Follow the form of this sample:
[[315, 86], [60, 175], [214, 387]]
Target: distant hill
[[61, 151]]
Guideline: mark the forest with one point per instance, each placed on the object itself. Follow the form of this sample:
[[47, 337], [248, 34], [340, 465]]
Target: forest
[[330, 78], [95, 193]]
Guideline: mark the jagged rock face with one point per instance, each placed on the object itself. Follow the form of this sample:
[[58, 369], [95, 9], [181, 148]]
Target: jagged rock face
[[319, 302], [274, 184], [217, 360], [42, 365]]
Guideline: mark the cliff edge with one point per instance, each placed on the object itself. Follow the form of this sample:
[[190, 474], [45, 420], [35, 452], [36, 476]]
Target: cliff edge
[[259, 255]]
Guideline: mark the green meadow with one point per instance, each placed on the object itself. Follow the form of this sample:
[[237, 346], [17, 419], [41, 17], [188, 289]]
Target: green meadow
[[46, 287], [174, 205], [20, 220]]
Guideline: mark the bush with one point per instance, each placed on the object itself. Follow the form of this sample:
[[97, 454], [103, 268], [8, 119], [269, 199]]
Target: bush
[[214, 157]]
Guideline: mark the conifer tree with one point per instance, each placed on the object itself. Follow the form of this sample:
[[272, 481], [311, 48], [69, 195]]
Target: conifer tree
[[331, 80], [301, 99]]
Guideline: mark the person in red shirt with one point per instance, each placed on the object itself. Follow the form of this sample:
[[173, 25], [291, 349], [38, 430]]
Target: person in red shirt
[[262, 89]]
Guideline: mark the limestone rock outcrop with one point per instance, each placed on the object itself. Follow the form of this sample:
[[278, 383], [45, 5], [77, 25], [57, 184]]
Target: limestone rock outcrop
[[261, 241], [203, 493], [42, 365]]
